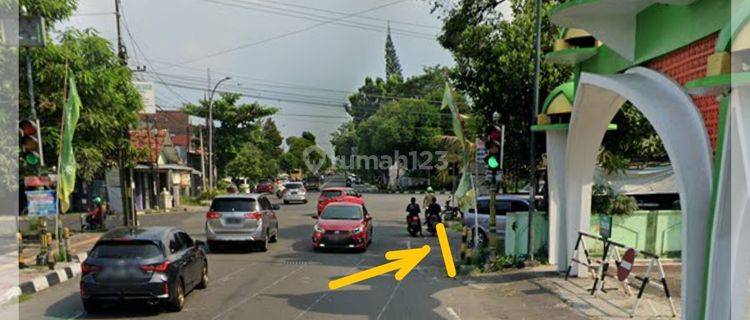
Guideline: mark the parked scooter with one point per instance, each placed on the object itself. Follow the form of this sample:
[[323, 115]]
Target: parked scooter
[[413, 225], [450, 212]]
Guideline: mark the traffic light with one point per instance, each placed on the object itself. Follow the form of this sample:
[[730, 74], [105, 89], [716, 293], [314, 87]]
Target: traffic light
[[29, 142], [493, 145]]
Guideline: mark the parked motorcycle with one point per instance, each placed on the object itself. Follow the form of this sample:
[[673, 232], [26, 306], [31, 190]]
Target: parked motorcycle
[[450, 212], [413, 225]]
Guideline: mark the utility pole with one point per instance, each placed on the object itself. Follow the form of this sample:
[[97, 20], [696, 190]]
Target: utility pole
[[129, 217], [532, 149]]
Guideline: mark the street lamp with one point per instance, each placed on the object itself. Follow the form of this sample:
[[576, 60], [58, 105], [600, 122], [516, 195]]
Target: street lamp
[[211, 133]]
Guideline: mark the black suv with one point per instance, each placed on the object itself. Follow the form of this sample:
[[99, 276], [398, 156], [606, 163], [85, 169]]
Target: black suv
[[158, 265]]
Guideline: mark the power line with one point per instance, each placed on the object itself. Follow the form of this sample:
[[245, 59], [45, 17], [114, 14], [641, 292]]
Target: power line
[[287, 34], [358, 16], [260, 7]]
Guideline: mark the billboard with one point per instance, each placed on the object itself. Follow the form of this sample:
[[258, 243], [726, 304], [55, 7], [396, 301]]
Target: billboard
[[41, 203], [148, 95]]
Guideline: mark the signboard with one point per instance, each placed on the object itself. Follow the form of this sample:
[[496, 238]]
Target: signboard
[[626, 264], [148, 96], [605, 226], [31, 31], [41, 203]]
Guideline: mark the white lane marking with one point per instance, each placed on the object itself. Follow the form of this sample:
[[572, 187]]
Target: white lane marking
[[228, 276], [257, 293], [385, 306], [77, 315], [322, 296], [453, 313]]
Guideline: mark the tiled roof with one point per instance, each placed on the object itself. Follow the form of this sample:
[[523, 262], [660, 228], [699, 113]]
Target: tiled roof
[[153, 142]]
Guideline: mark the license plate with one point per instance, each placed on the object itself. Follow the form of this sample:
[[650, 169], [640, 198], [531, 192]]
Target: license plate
[[234, 220], [294, 192]]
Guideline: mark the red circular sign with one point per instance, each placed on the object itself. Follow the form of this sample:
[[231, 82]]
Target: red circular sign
[[626, 264]]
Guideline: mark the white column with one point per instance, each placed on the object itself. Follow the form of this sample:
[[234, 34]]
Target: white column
[[556, 144]]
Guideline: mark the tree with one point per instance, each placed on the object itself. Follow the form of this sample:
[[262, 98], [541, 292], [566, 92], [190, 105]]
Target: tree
[[635, 140], [494, 66], [240, 125], [110, 101], [271, 139], [392, 65], [252, 163]]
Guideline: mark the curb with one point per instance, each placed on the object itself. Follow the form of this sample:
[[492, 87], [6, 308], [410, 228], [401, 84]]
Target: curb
[[51, 279]]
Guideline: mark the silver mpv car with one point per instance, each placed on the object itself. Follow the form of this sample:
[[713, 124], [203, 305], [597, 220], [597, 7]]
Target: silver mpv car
[[242, 218]]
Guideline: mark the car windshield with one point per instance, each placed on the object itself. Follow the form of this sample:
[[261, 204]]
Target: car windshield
[[233, 205], [128, 250], [293, 185], [342, 213], [330, 193]]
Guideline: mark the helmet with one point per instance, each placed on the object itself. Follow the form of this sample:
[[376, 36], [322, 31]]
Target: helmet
[[429, 189], [97, 200]]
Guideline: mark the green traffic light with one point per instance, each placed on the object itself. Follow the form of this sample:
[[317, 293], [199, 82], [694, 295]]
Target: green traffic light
[[31, 158], [492, 162]]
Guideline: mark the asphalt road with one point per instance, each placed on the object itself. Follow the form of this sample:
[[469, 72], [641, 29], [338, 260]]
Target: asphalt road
[[289, 281]]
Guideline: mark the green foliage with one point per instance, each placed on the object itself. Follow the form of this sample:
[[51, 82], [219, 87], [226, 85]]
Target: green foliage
[[271, 139], [613, 164], [52, 10], [253, 164], [293, 159], [635, 139], [392, 65], [240, 126], [495, 65], [110, 101], [605, 201]]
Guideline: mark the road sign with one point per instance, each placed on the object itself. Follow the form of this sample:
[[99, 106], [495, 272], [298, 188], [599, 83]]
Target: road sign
[[31, 31], [41, 203], [626, 264]]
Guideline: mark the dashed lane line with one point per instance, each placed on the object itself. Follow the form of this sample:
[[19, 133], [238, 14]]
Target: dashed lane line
[[322, 296]]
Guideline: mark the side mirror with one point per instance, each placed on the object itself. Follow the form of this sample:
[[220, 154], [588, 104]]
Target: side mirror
[[275, 207], [368, 217]]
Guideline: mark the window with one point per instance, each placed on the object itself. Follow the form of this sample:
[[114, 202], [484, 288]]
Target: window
[[519, 206], [330, 193], [342, 213], [234, 205], [264, 204], [129, 250], [186, 241], [176, 244]]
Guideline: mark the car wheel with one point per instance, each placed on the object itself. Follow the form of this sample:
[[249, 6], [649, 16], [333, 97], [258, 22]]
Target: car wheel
[[90, 307], [482, 241], [275, 236], [204, 276], [305, 201], [286, 202], [177, 301], [212, 246]]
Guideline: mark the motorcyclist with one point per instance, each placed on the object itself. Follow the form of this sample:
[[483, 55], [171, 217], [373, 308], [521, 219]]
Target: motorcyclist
[[429, 198], [432, 209], [94, 217], [412, 209]]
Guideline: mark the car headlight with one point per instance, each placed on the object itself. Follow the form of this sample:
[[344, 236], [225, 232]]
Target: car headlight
[[359, 229], [318, 228]]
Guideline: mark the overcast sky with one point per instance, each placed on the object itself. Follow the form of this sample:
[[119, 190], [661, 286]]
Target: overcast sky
[[303, 56]]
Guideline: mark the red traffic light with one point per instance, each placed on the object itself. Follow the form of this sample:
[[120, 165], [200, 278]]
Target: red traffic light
[[28, 127]]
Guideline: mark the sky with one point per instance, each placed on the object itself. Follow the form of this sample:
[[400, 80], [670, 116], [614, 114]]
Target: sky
[[301, 56]]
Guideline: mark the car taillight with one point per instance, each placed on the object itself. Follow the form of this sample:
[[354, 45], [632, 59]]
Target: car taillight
[[213, 215], [87, 268], [414, 218], [159, 267], [165, 287], [254, 215]]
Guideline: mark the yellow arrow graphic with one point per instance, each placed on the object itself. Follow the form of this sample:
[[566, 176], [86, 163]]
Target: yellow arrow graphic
[[402, 260]]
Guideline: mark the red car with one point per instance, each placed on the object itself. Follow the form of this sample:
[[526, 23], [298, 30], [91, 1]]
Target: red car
[[343, 225], [338, 194], [264, 187]]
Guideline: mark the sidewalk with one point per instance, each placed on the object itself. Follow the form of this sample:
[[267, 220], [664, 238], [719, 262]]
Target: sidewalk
[[543, 293]]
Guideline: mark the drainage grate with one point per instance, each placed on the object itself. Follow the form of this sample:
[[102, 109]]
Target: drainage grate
[[295, 262]]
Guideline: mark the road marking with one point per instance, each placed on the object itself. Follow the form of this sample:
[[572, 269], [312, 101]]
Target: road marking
[[257, 293], [385, 306], [453, 313], [77, 315], [325, 294]]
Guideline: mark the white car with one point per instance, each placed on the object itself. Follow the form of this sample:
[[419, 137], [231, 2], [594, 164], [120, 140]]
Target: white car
[[294, 192]]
